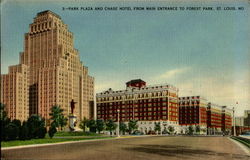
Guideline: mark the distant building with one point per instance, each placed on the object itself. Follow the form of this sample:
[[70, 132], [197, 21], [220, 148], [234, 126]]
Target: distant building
[[15, 92], [147, 104], [247, 118], [239, 121], [243, 120], [243, 123]]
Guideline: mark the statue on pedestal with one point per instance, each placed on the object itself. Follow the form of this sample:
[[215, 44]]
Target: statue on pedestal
[[72, 117], [72, 106]]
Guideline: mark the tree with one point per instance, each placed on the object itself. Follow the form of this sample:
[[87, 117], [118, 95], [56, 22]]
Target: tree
[[190, 130], [63, 121], [132, 125], [165, 131], [12, 131], [91, 124], [36, 125], [157, 127], [100, 125], [24, 131], [83, 123], [4, 121], [41, 132], [52, 131], [17, 122], [110, 126], [3, 113], [171, 129], [197, 129], [123, 127], [57, 117]]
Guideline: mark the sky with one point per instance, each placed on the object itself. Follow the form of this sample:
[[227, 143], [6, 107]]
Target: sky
[[201, 52]]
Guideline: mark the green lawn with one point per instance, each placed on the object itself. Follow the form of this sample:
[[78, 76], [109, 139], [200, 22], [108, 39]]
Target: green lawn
[[46, 140], [63, 133], [242, 140]]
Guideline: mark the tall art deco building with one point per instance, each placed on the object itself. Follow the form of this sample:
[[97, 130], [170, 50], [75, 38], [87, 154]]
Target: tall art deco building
[[56, 74]]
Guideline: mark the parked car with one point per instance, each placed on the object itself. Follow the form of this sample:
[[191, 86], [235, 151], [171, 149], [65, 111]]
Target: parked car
[[151, 132], [137, 133]]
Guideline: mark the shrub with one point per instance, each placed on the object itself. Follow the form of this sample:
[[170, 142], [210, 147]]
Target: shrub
[[17, 123], [24, 132], [41, 132], [34, 123], [52, 131], [12, 131]]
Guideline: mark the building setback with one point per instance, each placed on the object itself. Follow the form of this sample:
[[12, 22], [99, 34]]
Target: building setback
[[56, 74], [15, 92], [226, 120], [193, 111], [214, 117], [140, 102]]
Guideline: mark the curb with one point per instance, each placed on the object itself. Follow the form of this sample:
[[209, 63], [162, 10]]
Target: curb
[[68, 142], [51, 144], [242, 146]]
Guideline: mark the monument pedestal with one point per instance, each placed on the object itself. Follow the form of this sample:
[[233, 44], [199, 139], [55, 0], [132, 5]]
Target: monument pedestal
[[72, 122]]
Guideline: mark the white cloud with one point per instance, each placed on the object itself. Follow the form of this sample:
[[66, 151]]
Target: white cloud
[[222, 92], [173, 73]]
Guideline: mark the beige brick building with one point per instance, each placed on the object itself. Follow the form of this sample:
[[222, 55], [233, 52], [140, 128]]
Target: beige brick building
[[15, 92], [56, 73]]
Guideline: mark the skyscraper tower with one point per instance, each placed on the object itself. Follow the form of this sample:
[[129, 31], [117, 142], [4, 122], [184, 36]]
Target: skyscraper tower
[[56, 74]]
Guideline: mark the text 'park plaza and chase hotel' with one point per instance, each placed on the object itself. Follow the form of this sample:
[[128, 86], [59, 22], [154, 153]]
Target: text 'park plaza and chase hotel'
[[50, 73]]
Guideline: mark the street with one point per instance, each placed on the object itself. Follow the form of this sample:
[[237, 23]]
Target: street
[[139, 148]]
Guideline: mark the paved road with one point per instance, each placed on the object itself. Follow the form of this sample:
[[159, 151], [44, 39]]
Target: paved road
[[143, 148]]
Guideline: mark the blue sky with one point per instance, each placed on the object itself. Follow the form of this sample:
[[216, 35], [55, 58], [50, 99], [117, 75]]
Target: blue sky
[[200, 52]]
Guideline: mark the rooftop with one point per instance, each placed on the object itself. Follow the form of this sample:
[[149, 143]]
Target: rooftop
[[48, 12]]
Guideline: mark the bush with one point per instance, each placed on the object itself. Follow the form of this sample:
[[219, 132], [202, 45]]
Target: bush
[[24, 132], [4, 124], [35, 123], [41, 132], [17, 123], [52, 131], [12, 131]]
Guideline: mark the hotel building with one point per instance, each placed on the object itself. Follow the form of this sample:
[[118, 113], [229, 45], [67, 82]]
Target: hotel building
[[56, 74], [226, 120], [15, 92], [147, 104], [211, 118], [214, 118], [193, 111]]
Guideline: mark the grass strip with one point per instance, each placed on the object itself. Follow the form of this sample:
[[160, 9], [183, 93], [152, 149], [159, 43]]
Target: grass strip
[[241, 140], [62, 133], [44, 141]]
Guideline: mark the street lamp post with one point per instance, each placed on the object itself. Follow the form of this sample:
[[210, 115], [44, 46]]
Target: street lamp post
[[234, 123], [161, 126], [118, 125]]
